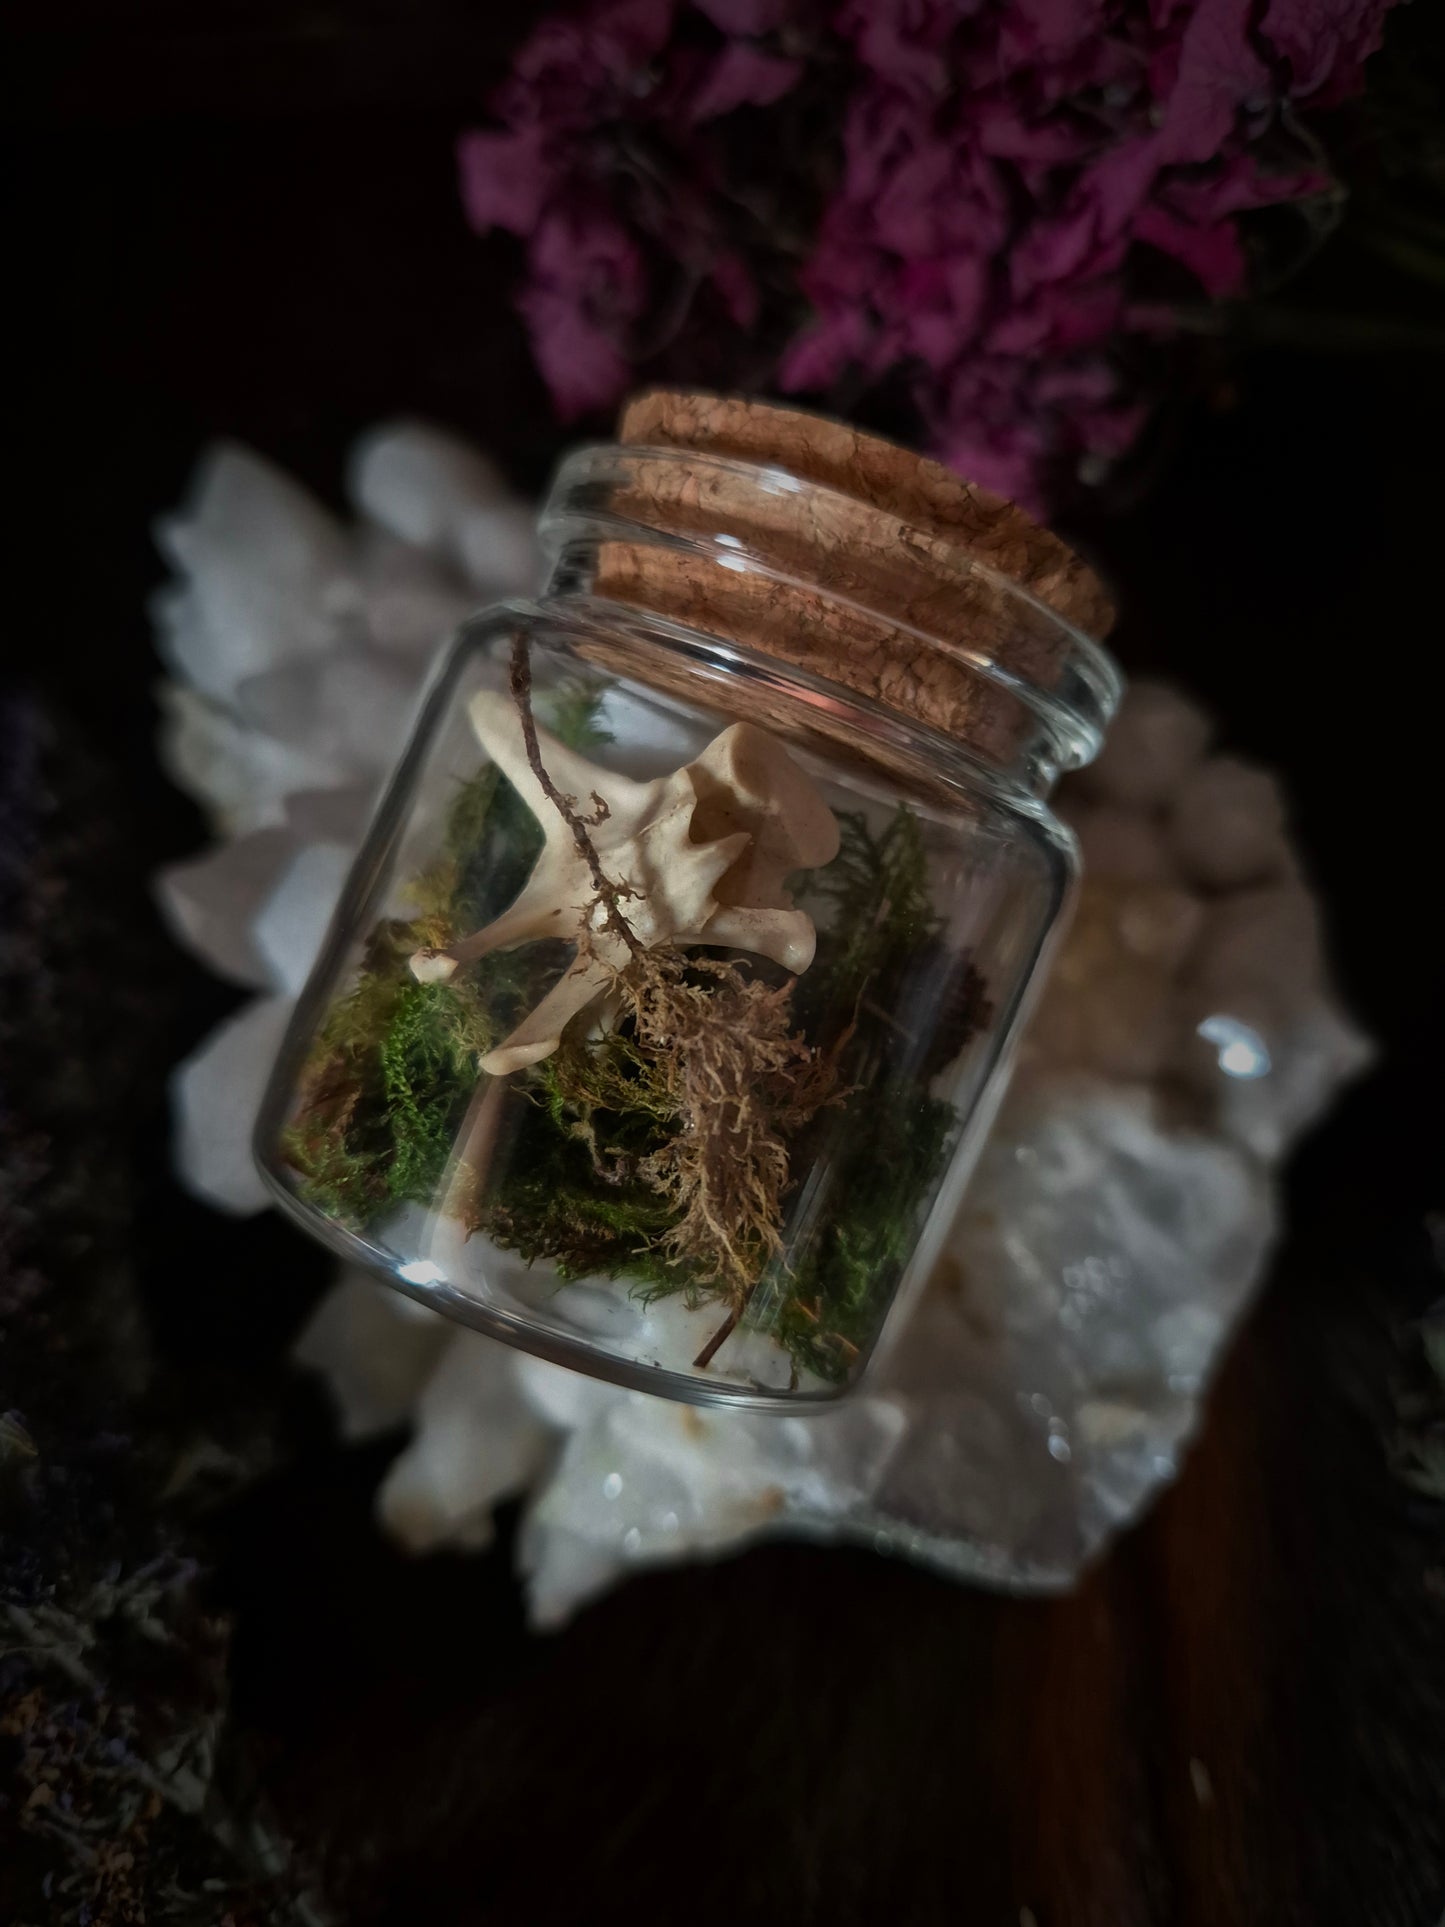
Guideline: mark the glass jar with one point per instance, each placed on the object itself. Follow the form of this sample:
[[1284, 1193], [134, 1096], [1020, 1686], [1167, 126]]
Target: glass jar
[[675, 984]]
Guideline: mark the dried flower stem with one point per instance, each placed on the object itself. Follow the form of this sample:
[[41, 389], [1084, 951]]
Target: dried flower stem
[[609, 894], [723, 1333], [726, 1067]]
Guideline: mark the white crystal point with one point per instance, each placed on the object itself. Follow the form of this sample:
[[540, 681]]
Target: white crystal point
[[1261, 1034], [562, 1397], [477, 1441], [350, 708], [262, 562], [240, 776], [408, 601], [1263, 944], [643, 1482], [215, 1095], [1154, 741], [1316, 1052], [497, 551], [1126, 846], [329, 816], [1111, 1000], [1052, 1370], [414, 480], [375, 1349], [210, 901], [295, 917], [439, 493], [1227, 825], [700, 857]]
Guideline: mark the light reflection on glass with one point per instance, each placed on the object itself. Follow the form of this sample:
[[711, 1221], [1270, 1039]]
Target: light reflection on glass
[[421, 1271], [1242, 1051]]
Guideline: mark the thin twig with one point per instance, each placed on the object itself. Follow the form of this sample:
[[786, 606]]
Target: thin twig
[[723, 1333], [609, 893]]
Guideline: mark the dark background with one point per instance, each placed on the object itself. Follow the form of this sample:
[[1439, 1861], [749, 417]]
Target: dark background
[[241, 220]]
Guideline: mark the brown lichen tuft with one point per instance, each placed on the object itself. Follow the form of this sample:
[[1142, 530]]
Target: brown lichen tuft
[[709, 1057], [739, 1082], [691, 1099]]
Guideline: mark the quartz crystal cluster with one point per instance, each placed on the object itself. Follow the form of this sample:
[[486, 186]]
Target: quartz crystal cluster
[[1046, 1377]]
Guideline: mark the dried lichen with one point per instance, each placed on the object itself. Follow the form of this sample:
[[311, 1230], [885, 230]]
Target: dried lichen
[[713, 1063], [689, 1103], [741, 1083]]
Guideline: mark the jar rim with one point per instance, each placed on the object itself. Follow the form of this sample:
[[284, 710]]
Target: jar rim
[[936, 764], [607, 500], [878, 472]]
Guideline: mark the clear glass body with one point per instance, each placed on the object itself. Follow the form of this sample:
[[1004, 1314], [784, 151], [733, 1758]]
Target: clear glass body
[[697, 1136]]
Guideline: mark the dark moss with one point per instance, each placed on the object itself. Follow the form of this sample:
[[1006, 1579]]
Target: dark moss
[[879, 1193], [388, 1079]]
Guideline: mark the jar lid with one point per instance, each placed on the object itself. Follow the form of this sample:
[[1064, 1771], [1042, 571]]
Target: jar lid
[[886, 476], [849, 556]]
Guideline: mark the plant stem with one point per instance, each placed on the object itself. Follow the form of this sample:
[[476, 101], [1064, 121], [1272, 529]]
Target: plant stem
[[608, 893], [720, 1337]]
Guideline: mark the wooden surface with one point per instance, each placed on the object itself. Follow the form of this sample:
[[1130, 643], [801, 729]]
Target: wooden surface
[[246, 226]]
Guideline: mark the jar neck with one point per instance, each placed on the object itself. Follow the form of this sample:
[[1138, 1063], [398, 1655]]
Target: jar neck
[[823, 616]]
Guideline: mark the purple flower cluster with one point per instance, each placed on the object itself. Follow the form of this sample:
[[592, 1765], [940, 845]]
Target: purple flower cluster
[[987, 201], [612, 168]]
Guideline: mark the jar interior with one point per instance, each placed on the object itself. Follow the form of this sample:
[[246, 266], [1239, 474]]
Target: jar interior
[[592, 1204]]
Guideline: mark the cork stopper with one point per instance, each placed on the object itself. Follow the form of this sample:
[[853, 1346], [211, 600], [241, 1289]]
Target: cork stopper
[[889, 575]]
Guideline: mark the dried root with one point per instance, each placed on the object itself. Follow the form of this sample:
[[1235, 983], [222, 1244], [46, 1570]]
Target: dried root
[[738, 1083], [710, 1057]]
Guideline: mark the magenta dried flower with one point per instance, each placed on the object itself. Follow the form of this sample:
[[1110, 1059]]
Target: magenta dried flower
[[993, 208], [683, 131], [587, 288], [742, 76], [1326, 44]]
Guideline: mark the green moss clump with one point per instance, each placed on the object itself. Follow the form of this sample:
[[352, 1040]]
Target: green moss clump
[[551, 1205], [873, 911], [690, 1099], [570, 1193], [433, 1040], [388, 1078], [387, 1081], [853, 1262]]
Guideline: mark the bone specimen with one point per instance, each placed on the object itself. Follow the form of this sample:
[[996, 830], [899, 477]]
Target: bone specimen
[[701, 857]]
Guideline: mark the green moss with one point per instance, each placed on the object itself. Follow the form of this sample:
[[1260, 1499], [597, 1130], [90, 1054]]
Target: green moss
[[685, 1107], [551, 1205], [569, 1193], [881, 1188], [432, 1042], [573, 712], [387, 1081], [873, 911]]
